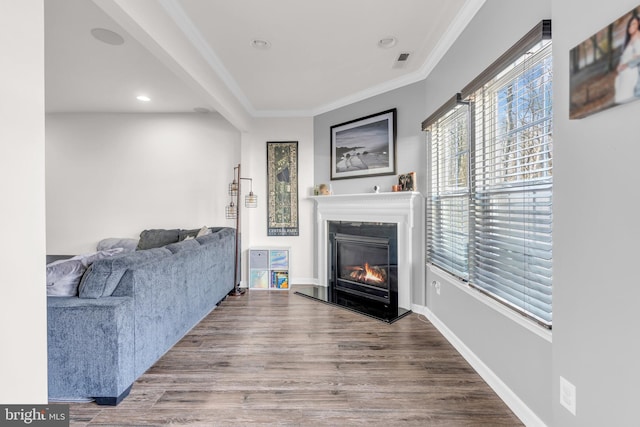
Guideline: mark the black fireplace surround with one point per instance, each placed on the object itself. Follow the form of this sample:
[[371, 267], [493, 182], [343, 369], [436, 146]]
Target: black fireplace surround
[[362, 269]]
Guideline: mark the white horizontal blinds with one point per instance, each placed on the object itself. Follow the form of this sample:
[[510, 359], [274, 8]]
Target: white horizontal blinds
[[448, 208], [512, 185]]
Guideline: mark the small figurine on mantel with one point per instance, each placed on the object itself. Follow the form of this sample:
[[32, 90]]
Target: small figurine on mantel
[[324, 190], [407, 182]]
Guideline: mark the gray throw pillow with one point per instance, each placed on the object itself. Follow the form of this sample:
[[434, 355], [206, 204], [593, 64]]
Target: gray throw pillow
[[157, 238], [188, 234]]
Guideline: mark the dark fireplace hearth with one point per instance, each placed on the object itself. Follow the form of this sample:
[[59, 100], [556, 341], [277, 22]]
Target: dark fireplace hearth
[[362, 269]]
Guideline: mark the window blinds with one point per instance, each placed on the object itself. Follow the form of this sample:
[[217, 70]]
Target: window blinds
[[448, 212], [512, 185], [489, 210]]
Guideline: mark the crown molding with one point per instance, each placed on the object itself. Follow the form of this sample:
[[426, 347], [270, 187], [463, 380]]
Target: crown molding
[[460, 22]]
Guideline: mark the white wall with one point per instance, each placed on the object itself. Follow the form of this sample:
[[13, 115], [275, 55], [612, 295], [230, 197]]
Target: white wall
[[114, 175], [596, 234], [23, 312], [254, 165]]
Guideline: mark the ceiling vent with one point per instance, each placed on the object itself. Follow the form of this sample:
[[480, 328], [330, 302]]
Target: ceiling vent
[[401, 60]]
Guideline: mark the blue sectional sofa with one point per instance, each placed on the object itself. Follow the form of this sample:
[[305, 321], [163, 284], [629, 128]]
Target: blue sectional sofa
[[130, 310]]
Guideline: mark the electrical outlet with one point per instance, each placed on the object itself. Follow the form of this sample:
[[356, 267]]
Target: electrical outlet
[[568, 395], [436, 285]]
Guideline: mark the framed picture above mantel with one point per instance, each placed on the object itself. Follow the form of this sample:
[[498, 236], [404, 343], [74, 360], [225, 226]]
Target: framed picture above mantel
[[364, 147]]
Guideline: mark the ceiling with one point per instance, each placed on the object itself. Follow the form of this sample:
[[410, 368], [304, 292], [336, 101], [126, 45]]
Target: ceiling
[[187, 54]]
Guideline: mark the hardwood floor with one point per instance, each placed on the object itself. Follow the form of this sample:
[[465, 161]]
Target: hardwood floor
[[276, 358]]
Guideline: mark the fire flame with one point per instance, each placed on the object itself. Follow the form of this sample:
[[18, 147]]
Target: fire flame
[[368, 274]]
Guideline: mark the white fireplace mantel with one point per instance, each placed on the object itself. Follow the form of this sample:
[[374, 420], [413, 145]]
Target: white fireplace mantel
[[401, 208]]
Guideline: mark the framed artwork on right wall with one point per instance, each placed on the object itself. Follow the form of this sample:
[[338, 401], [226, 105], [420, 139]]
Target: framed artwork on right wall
[[605, 68]]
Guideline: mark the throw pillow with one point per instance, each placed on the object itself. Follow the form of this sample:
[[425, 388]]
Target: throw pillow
[[89, 259], [187, 234], [203, 231], [157, 238], [128, 245], [63, 277]]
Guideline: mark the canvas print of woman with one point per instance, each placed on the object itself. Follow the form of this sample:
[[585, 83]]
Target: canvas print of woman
[[627, 83]]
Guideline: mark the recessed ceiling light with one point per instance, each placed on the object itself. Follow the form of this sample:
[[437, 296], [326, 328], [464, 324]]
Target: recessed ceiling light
[[107, 36], [260, 44], [143, 98], [387, 42]]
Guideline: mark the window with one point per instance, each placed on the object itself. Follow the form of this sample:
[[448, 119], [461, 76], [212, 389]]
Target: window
[[491, 225], [449, 191]]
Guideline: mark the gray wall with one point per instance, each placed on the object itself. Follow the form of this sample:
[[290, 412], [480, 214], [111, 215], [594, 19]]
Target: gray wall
[[519, 357], [411, 156], [595, 293], [410, 103], [596, 233], [515, 353]]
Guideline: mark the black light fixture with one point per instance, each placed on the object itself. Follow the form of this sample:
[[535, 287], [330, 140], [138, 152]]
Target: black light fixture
[[232, 211]]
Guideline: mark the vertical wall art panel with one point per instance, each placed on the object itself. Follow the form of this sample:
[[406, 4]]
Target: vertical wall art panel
[[282, 171]]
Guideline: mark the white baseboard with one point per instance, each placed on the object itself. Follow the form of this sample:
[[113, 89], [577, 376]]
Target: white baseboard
[[519, 408], [304, 281]]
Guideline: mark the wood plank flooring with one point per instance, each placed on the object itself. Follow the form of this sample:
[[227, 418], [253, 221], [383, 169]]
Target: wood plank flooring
[[276, 358]]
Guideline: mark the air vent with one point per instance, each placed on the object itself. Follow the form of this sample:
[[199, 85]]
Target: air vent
[[402, 60]]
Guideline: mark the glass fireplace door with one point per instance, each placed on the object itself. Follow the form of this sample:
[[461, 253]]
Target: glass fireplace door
[[362, 265]]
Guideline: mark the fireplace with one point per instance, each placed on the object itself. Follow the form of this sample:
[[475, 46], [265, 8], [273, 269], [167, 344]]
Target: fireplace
[[363, 261], [399, 214]]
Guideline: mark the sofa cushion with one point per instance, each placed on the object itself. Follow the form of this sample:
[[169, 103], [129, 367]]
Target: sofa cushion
[[127, 244], [157, 238], [88, 259], [208, 239], [63, 277], [217, 233], [187, 234], [183, 245], [103, 276]]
